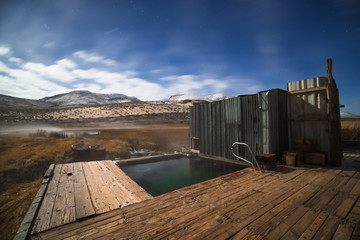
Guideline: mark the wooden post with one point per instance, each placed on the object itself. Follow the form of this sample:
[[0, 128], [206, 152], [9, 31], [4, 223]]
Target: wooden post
[[334, 117]]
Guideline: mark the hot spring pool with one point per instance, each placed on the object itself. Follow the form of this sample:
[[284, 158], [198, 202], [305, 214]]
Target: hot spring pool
[[168, 175]]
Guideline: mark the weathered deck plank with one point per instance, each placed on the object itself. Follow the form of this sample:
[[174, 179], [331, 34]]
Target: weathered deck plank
[[83, 204], [136, 192], [43, 219], [102, 199], [64, 206], [116, 188]]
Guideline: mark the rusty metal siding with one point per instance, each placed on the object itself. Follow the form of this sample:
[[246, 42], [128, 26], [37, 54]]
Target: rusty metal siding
[[257, 120]]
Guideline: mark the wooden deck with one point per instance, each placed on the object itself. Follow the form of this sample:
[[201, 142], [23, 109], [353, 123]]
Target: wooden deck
[[289, 203], [74, 191]]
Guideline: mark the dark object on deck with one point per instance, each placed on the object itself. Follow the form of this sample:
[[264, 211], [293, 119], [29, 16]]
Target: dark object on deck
[[315, 158], [267, 161]]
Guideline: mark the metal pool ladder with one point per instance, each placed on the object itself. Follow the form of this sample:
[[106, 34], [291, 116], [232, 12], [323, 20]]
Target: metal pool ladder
[[252, 163]]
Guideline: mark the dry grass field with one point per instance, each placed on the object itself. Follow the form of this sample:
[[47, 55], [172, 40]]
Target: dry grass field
[[350, 129]]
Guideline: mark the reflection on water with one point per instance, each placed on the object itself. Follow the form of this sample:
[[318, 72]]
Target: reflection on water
[[165, 176]]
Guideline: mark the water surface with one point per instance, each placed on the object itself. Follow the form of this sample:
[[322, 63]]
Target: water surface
[[165, 176]]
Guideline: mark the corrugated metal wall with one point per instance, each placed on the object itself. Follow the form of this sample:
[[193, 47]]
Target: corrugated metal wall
[[257, 120]]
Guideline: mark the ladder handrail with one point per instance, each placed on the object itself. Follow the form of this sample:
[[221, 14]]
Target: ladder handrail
[[243, 159]]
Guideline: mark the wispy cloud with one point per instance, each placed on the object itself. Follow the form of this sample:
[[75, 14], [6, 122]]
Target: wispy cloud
[[57, 71], [93, 57], [193, 83], [111, 31], [15, 60], [67, 63], [4, 50], [49, 45]]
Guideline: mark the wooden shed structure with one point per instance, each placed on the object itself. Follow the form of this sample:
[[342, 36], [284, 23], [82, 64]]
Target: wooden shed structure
[[271, 121]]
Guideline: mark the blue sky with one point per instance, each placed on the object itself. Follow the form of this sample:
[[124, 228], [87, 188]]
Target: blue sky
[[155, 49]]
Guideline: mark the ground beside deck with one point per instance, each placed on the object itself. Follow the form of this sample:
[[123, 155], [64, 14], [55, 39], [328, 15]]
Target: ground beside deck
[[289, 203]]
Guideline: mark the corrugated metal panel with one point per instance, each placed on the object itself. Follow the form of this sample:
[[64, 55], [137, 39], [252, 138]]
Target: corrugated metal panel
[[307, 83], [254, 119]]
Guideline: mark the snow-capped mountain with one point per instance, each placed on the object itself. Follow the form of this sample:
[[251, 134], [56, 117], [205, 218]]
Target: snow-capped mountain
[[73, 98], [190, 97], [217, 97], [87, 97], [349, 115]]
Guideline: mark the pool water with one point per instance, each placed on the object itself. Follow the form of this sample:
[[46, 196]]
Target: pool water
[[168, 175]]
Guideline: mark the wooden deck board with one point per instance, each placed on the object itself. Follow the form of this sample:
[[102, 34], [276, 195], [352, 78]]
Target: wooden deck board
[[102, 199], [64, 205], [289, 203], [83, 204], [43, 219]]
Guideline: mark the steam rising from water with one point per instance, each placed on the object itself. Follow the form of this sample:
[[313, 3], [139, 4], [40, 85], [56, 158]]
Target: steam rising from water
[[27, 129]]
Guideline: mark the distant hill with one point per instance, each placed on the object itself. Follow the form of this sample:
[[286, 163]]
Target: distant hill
[[87, 97], [14, 102], [349, 115], [73, 98], [189, 97]]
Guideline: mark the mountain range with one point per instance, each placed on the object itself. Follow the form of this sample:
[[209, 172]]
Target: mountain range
[[77, 98], [87, 97], [344, 114], [74, 98]]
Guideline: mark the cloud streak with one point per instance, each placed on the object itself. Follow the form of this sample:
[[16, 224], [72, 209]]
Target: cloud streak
[[94, 58]]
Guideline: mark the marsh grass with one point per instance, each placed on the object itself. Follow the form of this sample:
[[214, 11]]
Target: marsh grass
[[43, 134], [350, 129]]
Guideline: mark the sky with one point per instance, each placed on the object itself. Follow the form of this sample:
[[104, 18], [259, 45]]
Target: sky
[[152, 49]]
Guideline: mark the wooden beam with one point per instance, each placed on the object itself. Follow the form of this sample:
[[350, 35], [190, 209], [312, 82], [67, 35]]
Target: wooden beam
[[308, 90]]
